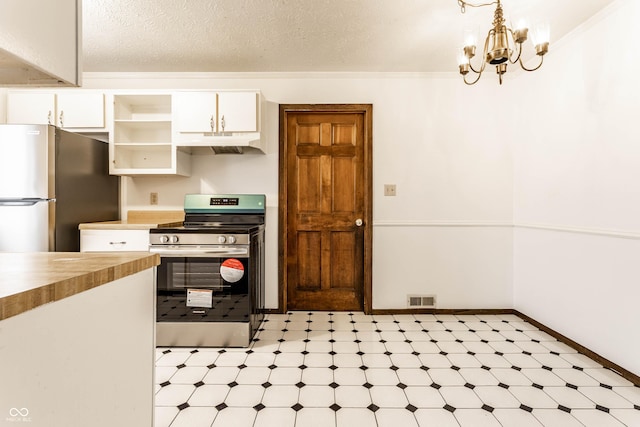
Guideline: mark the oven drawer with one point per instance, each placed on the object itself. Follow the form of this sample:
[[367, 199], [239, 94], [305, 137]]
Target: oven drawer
[[114, 240]]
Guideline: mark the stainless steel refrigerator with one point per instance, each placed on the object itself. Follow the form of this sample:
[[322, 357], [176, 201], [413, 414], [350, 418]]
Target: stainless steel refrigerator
[[51, 181]]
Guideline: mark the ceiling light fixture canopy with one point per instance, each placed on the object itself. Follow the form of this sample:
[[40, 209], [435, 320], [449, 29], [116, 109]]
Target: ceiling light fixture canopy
[[502, 45]]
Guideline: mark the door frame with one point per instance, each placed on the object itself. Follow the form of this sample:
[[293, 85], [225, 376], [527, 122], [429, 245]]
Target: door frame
[[367, 111]]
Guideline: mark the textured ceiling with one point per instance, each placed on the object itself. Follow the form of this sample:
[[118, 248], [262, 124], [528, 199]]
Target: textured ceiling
[[298, 35]]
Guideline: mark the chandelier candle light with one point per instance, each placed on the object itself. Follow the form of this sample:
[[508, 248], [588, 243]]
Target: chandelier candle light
[[502, 45]]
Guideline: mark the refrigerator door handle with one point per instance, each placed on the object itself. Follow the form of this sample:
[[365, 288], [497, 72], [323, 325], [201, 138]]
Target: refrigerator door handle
[[24, 202]]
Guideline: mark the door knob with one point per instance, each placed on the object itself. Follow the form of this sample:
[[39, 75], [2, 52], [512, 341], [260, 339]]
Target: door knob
[[359, 222]]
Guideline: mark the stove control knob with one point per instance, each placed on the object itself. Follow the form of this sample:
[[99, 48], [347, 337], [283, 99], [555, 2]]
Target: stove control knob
[[164, 239], [231, 239], [174, 239], [222, 239]]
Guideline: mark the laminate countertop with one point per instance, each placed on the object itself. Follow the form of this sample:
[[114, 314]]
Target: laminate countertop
[[29, 280], [139, 220], [126, 225]]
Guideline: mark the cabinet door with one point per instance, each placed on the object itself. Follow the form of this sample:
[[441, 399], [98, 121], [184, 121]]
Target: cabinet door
[[194, 111], [80, 110], [38, 108], [240, 111]]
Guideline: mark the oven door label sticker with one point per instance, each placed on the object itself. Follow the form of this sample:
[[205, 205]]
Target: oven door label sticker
[[231, 270], [199, 298]]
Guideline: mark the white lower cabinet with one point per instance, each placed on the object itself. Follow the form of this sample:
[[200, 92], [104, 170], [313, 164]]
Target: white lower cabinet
[[114, 240]]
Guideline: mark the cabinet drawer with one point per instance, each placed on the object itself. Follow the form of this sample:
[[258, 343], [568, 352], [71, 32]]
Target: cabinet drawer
[[114, 240]]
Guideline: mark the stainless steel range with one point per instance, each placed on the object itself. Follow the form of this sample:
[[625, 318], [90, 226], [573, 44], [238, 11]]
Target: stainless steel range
[[210, 281]]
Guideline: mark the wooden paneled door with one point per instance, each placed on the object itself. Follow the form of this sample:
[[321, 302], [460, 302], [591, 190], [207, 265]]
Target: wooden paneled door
[[325, 207]]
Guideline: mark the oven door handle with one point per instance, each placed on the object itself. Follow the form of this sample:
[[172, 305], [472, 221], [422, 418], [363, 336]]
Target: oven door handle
[[201, 252]]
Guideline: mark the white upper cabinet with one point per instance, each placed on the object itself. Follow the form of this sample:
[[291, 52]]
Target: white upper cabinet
[[80, 110], [140, 141], [238, 112], [38, 108], [195, 112], [205, 112], [68, 109]]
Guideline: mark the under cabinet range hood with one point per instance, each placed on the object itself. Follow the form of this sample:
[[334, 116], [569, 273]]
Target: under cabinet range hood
[[223, 143]]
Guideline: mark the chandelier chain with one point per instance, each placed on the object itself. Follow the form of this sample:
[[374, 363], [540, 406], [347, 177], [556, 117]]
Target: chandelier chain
[[463, 4], [498, 17]]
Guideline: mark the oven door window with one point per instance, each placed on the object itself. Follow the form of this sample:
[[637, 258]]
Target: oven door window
[[203, 289]]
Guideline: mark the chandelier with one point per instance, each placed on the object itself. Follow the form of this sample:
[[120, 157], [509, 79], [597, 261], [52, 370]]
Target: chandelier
[[502, 45]]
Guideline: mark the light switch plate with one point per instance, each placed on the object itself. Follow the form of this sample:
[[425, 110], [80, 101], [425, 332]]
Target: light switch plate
[[389, 189], [153, 198]]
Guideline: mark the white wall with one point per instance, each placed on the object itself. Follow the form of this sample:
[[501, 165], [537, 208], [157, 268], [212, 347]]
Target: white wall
[[445, 233], [577, 187]]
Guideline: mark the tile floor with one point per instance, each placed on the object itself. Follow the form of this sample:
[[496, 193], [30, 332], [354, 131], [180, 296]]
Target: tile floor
[[350, 369]]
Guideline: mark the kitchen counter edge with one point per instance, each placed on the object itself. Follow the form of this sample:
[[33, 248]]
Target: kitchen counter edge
[[31, 280]]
